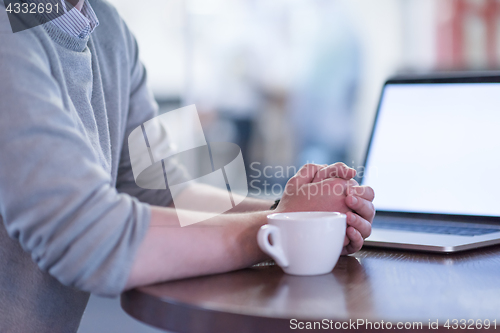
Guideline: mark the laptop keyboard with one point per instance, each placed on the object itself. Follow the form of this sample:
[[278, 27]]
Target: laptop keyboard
[[436, 228]]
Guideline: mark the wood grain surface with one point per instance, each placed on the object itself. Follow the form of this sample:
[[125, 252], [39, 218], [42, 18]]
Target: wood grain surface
[[372, 285]]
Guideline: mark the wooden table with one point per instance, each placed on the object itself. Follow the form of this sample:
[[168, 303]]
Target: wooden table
[[373, 285]]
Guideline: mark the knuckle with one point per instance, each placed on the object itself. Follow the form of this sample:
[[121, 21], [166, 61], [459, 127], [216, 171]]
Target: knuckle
[[304, 167], [323, 172], [309, 166], [308, 169]]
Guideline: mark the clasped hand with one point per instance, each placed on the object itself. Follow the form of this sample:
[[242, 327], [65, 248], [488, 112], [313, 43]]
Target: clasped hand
[[332, 188]]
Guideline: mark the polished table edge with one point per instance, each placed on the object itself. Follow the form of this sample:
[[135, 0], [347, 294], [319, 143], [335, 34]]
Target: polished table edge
[[180, 317], [169, 314], [174, 316], [184, 318]]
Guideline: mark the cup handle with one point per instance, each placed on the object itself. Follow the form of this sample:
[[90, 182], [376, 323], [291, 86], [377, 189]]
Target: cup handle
[[276, 250]]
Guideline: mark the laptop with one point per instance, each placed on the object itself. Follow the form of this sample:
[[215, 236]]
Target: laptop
[[434, 162]]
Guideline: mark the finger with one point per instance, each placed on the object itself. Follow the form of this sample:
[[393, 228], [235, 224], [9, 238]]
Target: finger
[[356, 241], [350, 184], [365, 192], [362, 207], [360, 224], [306, 174], [338, 170], [346, 241], [331, 186]]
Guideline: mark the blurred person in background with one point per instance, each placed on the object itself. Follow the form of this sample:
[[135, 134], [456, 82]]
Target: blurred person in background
[[244, 81], [327, 75], [237, 96], [281, 82]]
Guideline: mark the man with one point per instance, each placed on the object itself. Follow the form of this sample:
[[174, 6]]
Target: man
[[73, 220]]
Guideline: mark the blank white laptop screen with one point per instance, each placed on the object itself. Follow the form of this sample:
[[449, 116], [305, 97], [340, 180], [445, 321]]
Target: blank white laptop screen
[[436, 149]]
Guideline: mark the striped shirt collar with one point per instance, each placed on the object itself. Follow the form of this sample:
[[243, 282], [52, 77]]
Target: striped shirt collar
[[74, 22]]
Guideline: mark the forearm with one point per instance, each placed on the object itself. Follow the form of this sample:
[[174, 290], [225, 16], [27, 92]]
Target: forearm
[[220, 244], [204, 198], [252, 205]]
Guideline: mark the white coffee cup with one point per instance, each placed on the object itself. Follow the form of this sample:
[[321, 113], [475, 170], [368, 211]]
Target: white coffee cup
[[304, 243]]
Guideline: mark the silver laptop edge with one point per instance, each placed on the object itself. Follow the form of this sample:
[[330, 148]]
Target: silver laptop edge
[[422, 241], [416, 241]]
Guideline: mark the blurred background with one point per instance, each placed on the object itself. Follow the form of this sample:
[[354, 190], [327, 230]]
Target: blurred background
[[294, 81]]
